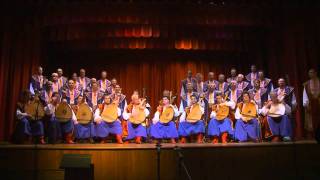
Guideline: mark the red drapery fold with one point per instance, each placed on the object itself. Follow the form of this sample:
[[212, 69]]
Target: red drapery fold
[[155, 49]]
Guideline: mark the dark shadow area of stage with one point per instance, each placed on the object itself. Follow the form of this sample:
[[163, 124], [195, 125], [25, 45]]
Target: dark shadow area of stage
[[299, 160]]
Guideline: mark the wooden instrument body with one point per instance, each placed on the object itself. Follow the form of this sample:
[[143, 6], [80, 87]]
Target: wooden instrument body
[[109, 113], [63, 112], [167, 115], [277, 110], [84, 114], [222, 111], [248, 111], [35, 109], [138, 115], [195, 114]]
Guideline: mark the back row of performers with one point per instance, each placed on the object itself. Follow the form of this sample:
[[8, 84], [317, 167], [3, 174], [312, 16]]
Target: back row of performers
[[244, 108]]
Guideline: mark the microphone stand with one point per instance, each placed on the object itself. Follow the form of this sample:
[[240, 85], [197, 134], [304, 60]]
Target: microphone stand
[[158, 146], [182, 164]]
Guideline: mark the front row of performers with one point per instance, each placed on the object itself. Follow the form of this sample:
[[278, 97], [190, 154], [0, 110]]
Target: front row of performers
[[211, 117]]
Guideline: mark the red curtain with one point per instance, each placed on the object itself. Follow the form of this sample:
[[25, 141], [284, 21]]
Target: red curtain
[[154, 49]]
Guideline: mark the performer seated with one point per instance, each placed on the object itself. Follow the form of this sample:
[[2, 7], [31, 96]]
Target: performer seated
[[107, 120], [279, 123], [191, 122], [163, 126], [29, 113], [62, 119], [121, 98], [84, 130], [247, 125], [220, 126], [135, 114]]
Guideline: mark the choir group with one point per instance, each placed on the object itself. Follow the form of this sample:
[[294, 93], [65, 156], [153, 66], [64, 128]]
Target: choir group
[[237, 109]]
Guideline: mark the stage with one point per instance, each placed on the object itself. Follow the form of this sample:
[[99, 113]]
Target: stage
[[291, 160]]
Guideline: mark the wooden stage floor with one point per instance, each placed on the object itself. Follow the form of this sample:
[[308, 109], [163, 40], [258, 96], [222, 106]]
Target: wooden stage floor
[[284, 160]]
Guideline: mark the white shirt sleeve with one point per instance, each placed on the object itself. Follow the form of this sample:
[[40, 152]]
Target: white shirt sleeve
[[305, 98], [288, 109], [237, 115], [146, 112], [181, 109], [213, 114], [294, 101], [126, 115], [97, 117], [264, 111], [31, 89], [74, 117], [176, 111], [231, 104], [183, 117], [156, 117], [49, 110], [20, 115]]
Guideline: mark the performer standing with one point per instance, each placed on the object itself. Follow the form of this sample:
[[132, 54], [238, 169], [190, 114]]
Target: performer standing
[[200, 83], [222, 86], [46, 93], [234, 94], [77, 84], [56, 87], [107, 120], [83, 80], [209, 81], [94, 96], [191, 121], [71, 93], [163, 126], [61, 79], [135, 114], [184, 83], [220, 126], [233, 75], [311, 102], [241, 84], [104, 83], [253, 75], [279, 123], [265, 82], [37, 81], [247, 127], [258, 94], [112, 87]]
